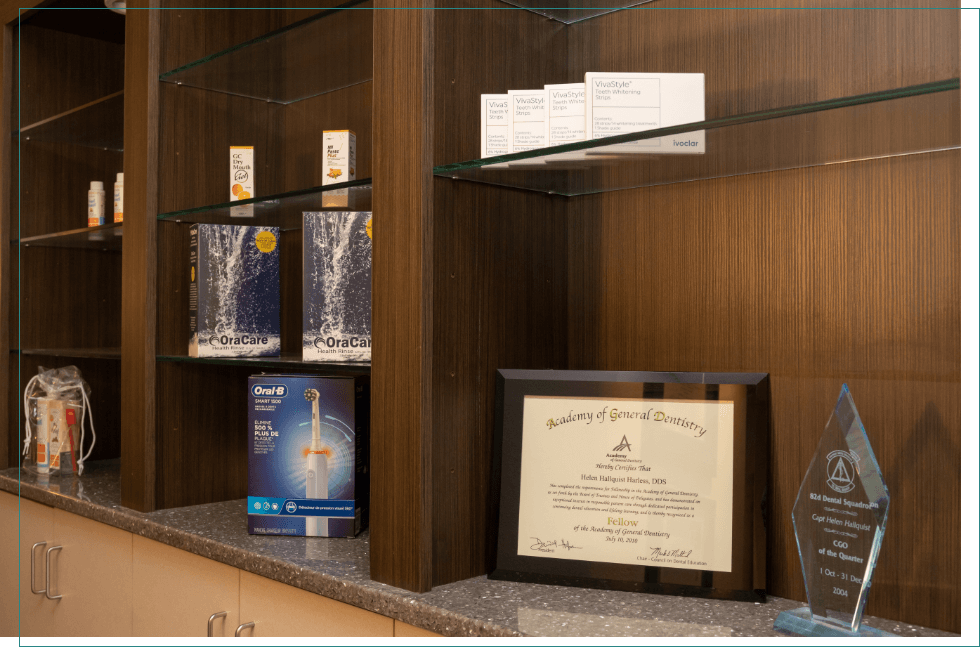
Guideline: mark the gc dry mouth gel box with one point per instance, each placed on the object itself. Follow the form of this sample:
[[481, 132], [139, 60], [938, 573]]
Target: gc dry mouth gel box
[[336, 286], [618, 103], [308, 455], [339, 164], [527, 129], [234, 291], [242, 183], [494, 127]]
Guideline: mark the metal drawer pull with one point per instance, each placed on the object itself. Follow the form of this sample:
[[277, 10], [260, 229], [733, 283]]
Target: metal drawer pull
[[220, 614], [34, 550], [47, 573], [247, 625]]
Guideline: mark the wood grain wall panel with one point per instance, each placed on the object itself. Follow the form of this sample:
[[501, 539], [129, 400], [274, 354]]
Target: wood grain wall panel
[[192, 431], [8, 432], [59, 71], [498, 272], [403, 127], [499, 301], [139, 278], [846, 273], [68, 298]]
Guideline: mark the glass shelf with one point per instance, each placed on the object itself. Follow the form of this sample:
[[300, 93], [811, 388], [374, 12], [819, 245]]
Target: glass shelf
[[571, 11], [105, 238], [81, 353], [284, 210], [906, 121], [320, 54], [98, 124], [285, 362]]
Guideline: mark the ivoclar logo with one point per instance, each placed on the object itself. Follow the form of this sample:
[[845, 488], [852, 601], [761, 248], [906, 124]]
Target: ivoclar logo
[[269, 390]]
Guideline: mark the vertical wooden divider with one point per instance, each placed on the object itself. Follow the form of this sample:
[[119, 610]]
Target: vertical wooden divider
[[139, 275], [8, 423], [401, 366]]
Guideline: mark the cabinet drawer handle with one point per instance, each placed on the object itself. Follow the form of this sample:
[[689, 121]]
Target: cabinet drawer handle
[[241, 628], [33, 551], [214, 616], [47, 573]]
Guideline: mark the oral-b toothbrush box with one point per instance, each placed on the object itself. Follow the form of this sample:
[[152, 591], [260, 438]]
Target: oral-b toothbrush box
[[234, 291], [308, 455], [337, 286]]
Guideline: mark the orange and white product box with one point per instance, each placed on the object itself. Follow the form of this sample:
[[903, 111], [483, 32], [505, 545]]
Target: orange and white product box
[[242, 178], [339, 164]]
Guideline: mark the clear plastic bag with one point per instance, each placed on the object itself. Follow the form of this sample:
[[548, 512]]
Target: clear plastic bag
[[56, 402]]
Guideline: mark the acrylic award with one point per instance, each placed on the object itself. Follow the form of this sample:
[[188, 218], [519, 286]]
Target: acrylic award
[[839, 519]]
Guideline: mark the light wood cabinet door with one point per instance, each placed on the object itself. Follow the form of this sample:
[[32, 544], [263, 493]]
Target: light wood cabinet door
[[93, 574], [175, 592], [35, 525], [281, 610]]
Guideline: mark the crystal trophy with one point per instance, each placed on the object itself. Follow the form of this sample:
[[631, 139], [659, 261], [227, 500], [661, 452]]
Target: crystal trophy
[[839, 519]]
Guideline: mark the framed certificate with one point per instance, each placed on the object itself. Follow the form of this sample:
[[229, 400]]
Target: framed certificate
[[633, 481]]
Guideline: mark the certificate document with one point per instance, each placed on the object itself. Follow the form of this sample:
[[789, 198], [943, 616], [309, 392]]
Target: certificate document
[[628, 481]]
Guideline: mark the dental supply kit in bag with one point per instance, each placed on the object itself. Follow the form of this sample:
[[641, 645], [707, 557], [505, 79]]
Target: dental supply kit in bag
[[56, 404]]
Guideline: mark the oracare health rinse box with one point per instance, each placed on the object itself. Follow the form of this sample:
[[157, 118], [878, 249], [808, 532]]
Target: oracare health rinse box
[[308, 455]]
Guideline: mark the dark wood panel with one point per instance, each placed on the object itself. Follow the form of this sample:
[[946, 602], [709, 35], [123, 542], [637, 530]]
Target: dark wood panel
[[839, 274], [499, 277], [767, 56], [8, 433], [139, 281], [201, 414], [60, 71], [401, 398], [67, 298]]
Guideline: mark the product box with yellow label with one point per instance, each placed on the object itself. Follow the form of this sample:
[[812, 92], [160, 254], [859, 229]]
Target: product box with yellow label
[[242, 179], [337, 286], [339, 164], [234, 291]]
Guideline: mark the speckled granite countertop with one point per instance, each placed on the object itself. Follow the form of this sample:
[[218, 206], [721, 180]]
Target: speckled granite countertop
[[338, 569]]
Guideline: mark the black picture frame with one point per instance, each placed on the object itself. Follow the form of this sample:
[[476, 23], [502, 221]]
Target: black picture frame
[[751, 394]]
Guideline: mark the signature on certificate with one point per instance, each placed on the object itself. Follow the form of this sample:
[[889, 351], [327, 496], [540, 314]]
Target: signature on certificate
[[551, 545]]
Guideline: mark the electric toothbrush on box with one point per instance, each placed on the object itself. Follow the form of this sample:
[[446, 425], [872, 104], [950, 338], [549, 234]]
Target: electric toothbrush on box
[[317, 474]]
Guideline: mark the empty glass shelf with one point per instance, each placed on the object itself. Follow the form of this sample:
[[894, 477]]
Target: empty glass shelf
[[284, 210], [287, 361], [323, 53], [80, 353], [569, 11], [105, 237], [98, 124], [906, 121]]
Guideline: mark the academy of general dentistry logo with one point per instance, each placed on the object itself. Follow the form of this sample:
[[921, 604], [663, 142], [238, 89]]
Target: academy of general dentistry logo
[[623, 444], [840, 471]]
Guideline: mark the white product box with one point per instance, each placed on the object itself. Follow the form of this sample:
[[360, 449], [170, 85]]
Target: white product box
[[339, 164], [617, 103], [526, 125], [565, 113], [242, 179], [494, 126]]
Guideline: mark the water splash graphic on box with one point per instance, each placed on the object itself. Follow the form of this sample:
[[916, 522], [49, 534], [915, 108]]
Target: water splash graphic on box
[[336, 286]]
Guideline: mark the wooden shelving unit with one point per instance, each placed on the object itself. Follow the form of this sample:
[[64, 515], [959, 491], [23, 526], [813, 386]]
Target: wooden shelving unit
[[816, 240]]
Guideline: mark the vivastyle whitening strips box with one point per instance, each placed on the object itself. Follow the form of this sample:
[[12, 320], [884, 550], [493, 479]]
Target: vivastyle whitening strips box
[[337, 286], [565, 113], [234, 291], [308, 455], [527, 129], [494, 124], [618, 103]]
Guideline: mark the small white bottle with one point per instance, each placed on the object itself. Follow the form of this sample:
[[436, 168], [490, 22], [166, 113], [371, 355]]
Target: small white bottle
[[117, 199], [96, 204]]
